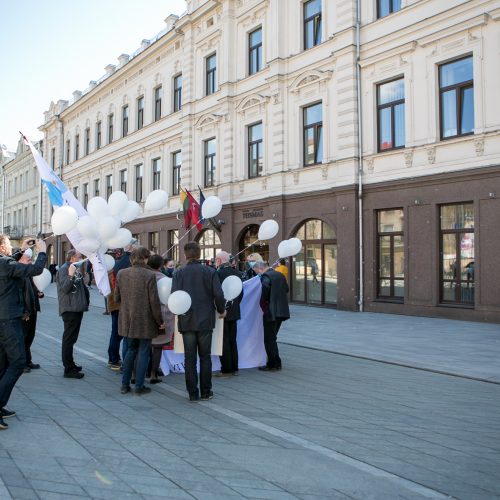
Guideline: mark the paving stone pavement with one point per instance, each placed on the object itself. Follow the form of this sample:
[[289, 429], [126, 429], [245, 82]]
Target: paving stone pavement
[[326, 426]]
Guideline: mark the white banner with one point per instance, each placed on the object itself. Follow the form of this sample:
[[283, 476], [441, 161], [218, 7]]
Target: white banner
[[250, 337], [60, 195]]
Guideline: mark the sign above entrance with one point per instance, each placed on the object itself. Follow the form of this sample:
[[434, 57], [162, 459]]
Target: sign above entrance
[[253, 213]]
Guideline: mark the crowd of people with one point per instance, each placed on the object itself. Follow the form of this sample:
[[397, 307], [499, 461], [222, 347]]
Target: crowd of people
[[141, 326]]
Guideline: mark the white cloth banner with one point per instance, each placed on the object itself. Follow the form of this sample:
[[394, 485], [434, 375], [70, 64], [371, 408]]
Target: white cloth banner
[[250, 337], [60, 195]]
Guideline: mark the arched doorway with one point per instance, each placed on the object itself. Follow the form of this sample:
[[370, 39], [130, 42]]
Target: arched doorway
[[248, 244], [314, 269], [210, 244]]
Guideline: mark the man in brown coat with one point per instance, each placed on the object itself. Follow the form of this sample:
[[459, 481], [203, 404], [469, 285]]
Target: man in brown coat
[[140, 317]]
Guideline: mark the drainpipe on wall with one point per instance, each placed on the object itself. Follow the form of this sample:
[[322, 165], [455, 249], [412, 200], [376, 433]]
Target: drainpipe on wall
[[360, 157]]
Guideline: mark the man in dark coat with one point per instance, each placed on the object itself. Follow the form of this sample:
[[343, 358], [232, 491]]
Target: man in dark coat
[[12, 351], [73, 298], [274, 304], [140, 318], [203, 285], [229, 358]]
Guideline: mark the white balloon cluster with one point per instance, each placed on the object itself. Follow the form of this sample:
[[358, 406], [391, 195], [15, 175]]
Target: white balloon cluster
[[101, 228], [289, 248]]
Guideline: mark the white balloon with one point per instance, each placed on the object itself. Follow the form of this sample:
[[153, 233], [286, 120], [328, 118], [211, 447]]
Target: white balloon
[[268, 230], [131, 212], [63, 220], [295, 246], [117, 202], [164, 288], [87, 227], [211, 207], [109, 262], [97, 207], [179, 302], [107, 227], [88, 246], [232, 287], [156, 200], [284, 249], [103, 248], [42, 281], [121, 238]]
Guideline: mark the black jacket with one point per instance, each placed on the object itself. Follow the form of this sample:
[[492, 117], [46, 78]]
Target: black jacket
[[203, 285], [233, 307], [31, 300], [12, 276], [274, 299]]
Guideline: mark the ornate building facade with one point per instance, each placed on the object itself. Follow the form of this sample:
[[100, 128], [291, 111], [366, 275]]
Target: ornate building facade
[[369, 129]]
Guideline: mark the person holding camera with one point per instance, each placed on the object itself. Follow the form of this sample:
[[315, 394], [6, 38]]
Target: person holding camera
[[12, 350], [74, 298]]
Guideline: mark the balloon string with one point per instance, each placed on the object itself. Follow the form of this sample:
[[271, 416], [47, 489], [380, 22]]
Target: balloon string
[[246, 248], [182, 237]]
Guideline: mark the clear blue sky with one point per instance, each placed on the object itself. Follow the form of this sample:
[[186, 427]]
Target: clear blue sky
[[50, 48]]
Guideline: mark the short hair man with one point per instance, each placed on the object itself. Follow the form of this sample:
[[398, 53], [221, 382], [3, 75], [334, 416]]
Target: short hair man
[[12, 350], [73, 298], [203, 285], [274, 303], [229, 358]]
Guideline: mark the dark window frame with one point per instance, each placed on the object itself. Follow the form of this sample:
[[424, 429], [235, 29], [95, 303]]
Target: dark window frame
[[318, 132], [125, 120], [68, 150], [123, 180], [85, 195], [97, 187], [176, 172], [459, 88], [157, 104], [77, 147], [392, 105], [139, 176], [257, 48], [209, 164], [156, 173], [391, 9], [87, 141], [458, 279], [140, 112], [316, 19], [111, 117], [258, 144], [177, 95], [211, 75], [109, 185], [391, 278], [98, 135]]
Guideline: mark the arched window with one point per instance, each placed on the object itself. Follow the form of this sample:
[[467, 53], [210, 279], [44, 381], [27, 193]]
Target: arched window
[[314, 269], [248, 244], [210, 244]]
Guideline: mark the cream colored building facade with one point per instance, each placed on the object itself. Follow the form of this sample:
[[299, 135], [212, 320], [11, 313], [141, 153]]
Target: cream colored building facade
[[293, 81]]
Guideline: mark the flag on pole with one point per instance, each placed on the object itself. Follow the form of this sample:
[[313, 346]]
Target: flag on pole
[[186, 208], [60, 195], [195, 211]]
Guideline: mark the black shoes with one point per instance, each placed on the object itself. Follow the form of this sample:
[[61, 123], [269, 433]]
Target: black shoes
[[3, 425], [155, 380], [74, 373], [76, 368], [206, 397], [268, 369], [33, 366], [142, 390], [194, 398], [4, 413], [125, 389]]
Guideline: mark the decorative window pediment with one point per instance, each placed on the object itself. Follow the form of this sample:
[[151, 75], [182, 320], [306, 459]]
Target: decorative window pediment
[[208, 120], [310, 78], [251, 102]]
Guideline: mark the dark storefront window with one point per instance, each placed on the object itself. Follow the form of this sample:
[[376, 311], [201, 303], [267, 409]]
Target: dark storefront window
[[314, 269], [313, 134], [456, 98], [312, 23], [210, 244], [255, 150], [173, 244], [154, 242], [391, 115], [249, 243], [457, 254], [390, 254]]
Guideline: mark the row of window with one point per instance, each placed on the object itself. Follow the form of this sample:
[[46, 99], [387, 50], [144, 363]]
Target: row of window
[[23, 182], [456, 105], [20, 217], [456, 247]]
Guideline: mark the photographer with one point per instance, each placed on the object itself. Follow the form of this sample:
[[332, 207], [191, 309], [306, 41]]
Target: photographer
[[73, 299]]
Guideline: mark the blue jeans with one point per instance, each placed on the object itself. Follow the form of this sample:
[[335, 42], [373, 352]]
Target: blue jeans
[[140, 349], [12, 356], [114, 340], [198, 344]]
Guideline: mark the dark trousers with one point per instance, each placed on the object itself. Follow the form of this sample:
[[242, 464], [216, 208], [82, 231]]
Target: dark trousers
[[12, 357], [198, 344], [138, 355], [229, 358], [29, 329], [72, 322], [114, 340], [271, 329]]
